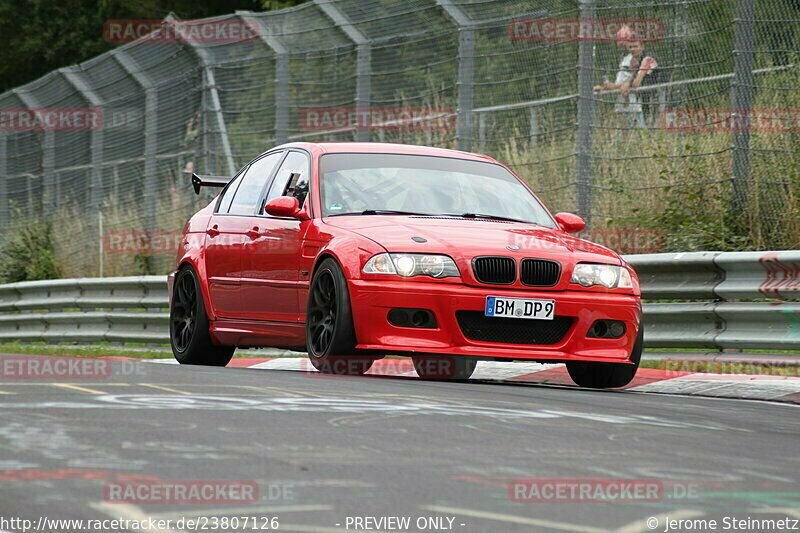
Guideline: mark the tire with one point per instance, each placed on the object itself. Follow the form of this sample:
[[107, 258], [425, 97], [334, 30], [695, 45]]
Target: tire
[[607, 375], [188, 325], [330, 335], [444, 367]]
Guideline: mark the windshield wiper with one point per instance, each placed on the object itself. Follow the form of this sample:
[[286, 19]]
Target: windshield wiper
[[492, 217], [379, 212]]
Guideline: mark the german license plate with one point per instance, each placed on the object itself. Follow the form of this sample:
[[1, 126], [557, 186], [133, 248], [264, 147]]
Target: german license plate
[[520, 308]]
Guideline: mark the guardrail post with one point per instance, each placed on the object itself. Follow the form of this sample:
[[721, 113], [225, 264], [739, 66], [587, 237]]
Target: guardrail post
[[363, 60], [585, 115], [742, 103]]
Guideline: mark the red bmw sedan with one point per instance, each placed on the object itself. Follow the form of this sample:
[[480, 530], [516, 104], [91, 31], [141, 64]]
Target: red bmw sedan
[[355, 251]]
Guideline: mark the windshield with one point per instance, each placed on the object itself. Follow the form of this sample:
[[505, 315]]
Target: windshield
[[381, 183]]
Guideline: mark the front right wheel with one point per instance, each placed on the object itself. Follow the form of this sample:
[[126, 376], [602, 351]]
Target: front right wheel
[[330, 335], [607, 375]]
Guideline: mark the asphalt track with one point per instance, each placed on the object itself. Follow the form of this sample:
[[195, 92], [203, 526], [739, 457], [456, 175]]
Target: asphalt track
[[323, 452]]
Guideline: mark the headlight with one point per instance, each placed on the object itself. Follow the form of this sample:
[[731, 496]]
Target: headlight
[[408, 265], [608, 276]]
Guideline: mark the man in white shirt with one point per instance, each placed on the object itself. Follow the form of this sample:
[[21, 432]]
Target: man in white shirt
[[627, 102]]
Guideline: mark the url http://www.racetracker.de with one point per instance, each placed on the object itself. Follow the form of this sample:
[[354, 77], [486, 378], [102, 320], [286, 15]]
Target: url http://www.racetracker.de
[[197, 523]]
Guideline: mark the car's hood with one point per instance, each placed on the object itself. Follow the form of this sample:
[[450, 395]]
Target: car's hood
[[464, 239]]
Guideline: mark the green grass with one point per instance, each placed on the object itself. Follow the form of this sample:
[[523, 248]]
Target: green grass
[[104, 349], [82, 351]]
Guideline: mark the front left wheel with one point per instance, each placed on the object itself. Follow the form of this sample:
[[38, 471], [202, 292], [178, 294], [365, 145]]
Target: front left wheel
[[188, 325], [330, 335]]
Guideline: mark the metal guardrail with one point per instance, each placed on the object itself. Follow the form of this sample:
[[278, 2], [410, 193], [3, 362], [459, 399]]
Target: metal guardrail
[[721, 279], [134, 309], [127, 309]]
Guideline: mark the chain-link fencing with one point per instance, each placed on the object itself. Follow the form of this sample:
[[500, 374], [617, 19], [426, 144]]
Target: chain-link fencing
[[669, 125]]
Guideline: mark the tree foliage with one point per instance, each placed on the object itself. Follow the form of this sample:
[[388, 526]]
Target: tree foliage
[[43, 35]]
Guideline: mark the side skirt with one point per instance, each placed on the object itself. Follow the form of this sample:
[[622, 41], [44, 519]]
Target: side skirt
[[226, 332]]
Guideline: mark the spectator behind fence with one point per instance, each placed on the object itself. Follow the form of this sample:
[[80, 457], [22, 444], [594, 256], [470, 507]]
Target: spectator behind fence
[[645, 71], [627, 103]]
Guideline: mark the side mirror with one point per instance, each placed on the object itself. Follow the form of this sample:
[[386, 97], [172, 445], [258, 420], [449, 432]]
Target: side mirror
[[570, 222], [286, 207]]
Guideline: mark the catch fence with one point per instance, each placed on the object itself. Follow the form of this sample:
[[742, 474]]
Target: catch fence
[[710, 162]]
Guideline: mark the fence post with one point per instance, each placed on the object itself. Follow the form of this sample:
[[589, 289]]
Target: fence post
[[585, 114], [4, 202], [363, 60], [47, 199], [150, 134], [210, 87], [742, 103], [281, 75], [281, 98], [466, 73], [95, 138]]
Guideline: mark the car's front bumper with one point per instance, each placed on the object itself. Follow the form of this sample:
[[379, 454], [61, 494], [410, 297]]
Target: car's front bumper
[[371, 301]]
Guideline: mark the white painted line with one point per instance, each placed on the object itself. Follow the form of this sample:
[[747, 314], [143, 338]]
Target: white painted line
[[227, 511], [513, 519], [127, 511], [286, 363], [497, 370]]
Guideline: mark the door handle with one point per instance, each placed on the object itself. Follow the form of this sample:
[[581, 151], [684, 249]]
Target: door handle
[[213, 231], [253, 233]]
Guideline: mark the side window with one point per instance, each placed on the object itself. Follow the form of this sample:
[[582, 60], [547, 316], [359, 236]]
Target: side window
[[292, 178], [245, 200], [227, 194]]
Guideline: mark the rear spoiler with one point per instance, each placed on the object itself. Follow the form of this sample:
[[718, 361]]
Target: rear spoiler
[[199, 180]]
